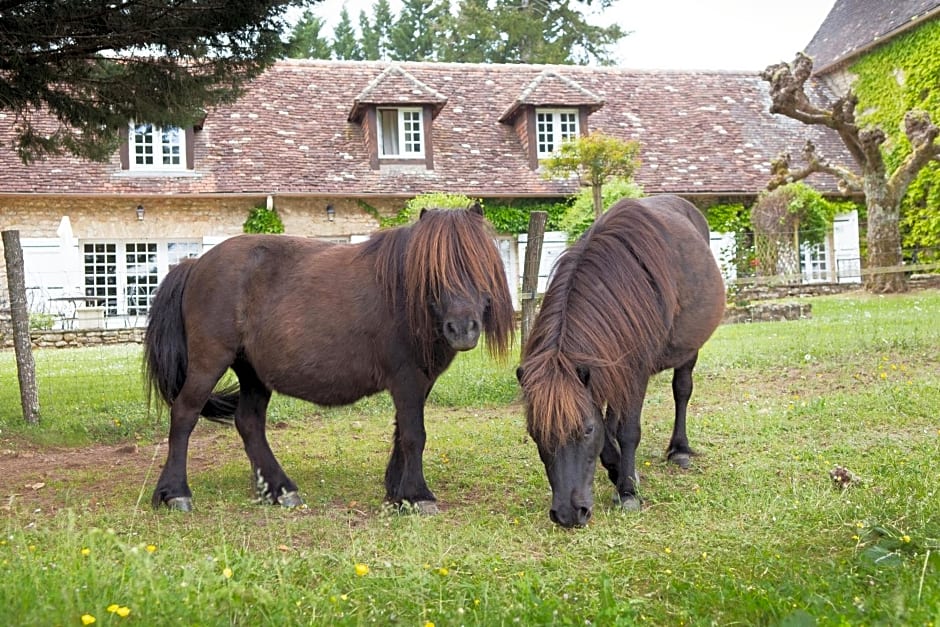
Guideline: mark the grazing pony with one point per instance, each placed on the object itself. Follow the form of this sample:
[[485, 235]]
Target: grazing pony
[[327, 323], [639, 293]]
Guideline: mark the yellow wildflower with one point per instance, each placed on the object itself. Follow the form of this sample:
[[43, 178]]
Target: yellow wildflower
[[113, 607], [151, 548], [123, 611], [227, 572], [905, 538], [86, 551], [362, 570], [443, 572], [87, 619]]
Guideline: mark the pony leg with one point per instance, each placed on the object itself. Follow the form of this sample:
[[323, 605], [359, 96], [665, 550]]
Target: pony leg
[[172, 488], [628, 438], [404, 475], [619, 453], [271, 483], [679, 451]]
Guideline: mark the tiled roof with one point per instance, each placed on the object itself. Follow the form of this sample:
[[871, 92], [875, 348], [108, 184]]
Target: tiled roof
[[290, 133], [552, 89], [852, 26], [396, 86]]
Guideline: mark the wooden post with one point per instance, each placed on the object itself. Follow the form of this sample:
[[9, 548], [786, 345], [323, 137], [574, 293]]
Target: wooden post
[[25, 365], [530, 270]]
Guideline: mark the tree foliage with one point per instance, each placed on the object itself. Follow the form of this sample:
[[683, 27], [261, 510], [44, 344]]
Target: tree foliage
[[263, 220], [376, 33], [345, 45], [306, 40], [502, 31], [418, 29], [580, 214], [594, 158], [883, 185], [431, 200], [94, 66]]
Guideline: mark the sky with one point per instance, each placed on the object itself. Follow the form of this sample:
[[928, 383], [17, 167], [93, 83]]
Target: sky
[[686, 34]]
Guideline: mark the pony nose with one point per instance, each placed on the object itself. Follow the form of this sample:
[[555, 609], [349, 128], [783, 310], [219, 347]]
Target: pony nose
[[575, 517], [462, 333]]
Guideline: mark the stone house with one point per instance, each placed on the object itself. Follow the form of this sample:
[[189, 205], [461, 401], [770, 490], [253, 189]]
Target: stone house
[[334, 145]]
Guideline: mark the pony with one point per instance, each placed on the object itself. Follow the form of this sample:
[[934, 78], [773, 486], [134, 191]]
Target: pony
[[639, 293], [326, 323]]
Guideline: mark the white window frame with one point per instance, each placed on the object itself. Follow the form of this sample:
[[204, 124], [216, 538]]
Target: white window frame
[[406, 135], [152, 147], [553, 127], [121, 296]]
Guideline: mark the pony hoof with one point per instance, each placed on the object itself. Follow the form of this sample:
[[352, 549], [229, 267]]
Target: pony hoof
[[426, 508], [682, 460], [628, 503], [180, 503], [290, 499]]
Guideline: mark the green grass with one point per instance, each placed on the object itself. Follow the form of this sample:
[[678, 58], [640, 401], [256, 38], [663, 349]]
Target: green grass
[[754, 533]]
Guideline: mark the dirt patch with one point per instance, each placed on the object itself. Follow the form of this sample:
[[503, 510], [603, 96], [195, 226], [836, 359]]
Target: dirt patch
[[40, 478]]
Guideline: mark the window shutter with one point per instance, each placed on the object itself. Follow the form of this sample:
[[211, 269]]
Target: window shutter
[[125, 148], [190, 148]]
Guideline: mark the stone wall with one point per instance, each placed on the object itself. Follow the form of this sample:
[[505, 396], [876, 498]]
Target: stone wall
[[74, 338], [767, 312]]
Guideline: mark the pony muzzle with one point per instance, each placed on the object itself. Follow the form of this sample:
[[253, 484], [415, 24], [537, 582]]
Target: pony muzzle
[[574, 511], [462, 333], [572, 516]]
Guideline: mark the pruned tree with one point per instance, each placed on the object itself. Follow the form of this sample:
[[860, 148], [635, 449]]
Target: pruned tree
[[883, 189], [595, 158], [93, 66]]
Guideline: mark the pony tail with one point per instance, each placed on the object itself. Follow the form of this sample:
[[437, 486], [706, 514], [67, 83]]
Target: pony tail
[[165, 356]]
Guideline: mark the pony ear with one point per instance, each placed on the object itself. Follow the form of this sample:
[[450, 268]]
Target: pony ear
[[424, 210], [519, 374], [475, 208], [583, 374]]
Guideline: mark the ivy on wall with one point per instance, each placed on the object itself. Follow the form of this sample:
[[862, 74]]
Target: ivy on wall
[[891, 80]]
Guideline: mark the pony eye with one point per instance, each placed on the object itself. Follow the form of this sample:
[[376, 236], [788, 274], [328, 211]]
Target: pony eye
[[588, 430]]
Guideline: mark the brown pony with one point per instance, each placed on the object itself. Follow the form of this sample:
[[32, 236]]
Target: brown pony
[[326, 323], [639, 293]]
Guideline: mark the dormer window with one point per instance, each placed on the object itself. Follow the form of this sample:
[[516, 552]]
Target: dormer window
[[153, 147], [552, 127], [401, 133]]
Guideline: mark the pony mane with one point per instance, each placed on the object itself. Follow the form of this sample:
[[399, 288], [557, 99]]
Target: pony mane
[[445, 252], [608, 308]]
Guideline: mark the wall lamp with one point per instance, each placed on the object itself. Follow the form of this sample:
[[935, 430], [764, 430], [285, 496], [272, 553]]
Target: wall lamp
[[140, 212], [330, 213]]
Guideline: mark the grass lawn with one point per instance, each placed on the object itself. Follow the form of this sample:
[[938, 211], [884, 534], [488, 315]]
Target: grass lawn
[[756, 532]]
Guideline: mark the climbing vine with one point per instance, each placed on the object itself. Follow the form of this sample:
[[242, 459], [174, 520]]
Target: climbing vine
[[891, 80]]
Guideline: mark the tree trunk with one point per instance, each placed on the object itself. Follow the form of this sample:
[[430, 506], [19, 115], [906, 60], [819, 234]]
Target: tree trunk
[[22, 346], [598, 200], [884, 239]]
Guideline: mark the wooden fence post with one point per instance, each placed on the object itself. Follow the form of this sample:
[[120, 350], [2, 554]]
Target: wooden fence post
[[25, 365], [530, 271]]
